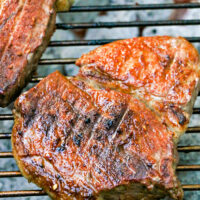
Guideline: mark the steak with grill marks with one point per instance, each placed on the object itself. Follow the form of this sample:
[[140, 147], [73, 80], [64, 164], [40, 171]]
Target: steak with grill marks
[[25, 30], [79, 142], [110, 132]]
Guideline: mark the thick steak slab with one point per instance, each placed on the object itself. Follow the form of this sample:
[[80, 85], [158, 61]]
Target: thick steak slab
[[25, 30], [161, 71], [111, 132], [79, 142]]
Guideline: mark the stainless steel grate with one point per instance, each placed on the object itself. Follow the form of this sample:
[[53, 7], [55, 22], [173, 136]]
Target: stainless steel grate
[[63, 26]]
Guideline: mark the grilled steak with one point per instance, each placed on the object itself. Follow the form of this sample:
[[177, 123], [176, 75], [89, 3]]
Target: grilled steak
[[110, 132], [25, 31], [161, 71], [78, 142]]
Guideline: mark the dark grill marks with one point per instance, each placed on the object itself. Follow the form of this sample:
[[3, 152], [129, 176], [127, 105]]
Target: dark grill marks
[[77, 140], [61, 148], [108, 153], [20, 133], [87, 120], [105, 153], [89, 136], [94, 145], [108, 124], [29, 117], [47, 122], [79, 130]]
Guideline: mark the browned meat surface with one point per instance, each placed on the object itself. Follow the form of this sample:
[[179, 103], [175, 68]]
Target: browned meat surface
[[111, 132], [77, 141], [161, 71], [25, 31]]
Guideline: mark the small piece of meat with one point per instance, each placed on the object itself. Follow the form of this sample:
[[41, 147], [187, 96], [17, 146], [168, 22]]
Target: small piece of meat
[[161, 71], [81, 142], [25, 31]]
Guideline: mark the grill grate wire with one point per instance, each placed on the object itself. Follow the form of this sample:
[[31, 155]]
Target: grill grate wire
[[64, 26]]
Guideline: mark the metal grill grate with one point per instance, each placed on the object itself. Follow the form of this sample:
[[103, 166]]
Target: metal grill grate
[[63, 26]]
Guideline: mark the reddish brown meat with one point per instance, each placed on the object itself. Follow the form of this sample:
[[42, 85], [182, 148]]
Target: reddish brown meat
[[161, 71], [111, 132], [25, 30], [78, 142]]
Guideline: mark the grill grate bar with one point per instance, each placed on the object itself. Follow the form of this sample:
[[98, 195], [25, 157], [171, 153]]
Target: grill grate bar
[[66, 26], [36, 79], [57, 61], [180, 149], [6, 174], [10, 174], [196, 111], [5, 135], [24, 193], [188, 148], [6, 155], [188, 167], [6, 117], [189, 130], [191, 187], [97, 42], [193, 129], [132, 7], [10, 116]]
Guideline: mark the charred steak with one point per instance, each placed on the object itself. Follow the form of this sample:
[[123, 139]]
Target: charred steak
[[94, 137], [25, 30], [85, 143]]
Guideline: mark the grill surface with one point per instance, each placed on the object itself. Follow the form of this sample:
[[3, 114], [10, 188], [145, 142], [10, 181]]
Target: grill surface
[[67, 43]]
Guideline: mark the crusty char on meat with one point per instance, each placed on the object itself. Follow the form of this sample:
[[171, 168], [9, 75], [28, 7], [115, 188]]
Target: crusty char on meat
[[25, 31], [161, 71], [78, 142]]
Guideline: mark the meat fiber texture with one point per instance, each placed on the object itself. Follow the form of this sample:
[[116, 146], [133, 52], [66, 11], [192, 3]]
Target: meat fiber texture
[[25, 31], [94, 137]]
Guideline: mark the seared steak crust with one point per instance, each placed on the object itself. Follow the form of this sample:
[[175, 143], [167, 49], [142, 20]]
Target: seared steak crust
[[161, 71], [110, 132], [25, 30], [80, 142]]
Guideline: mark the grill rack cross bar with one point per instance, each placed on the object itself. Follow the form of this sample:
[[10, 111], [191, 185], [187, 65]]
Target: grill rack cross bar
[[66, 26], [24, 193], [132, 7], [97, 42], [57, 61]]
